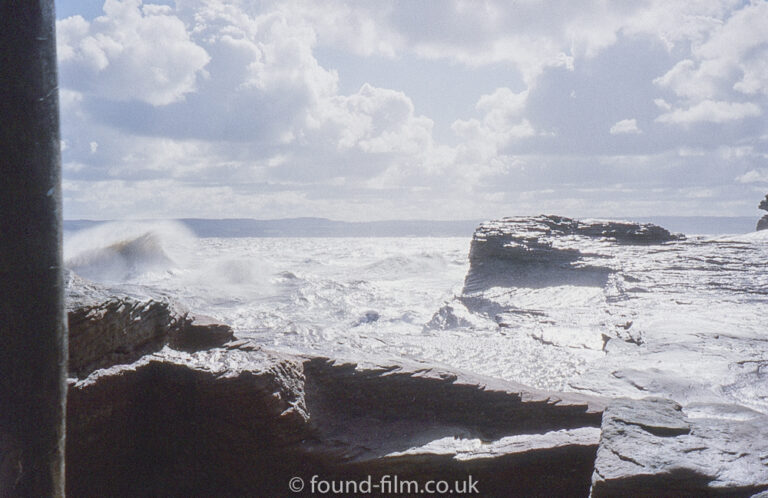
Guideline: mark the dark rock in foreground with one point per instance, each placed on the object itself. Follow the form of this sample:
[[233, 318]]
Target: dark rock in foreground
[[239, 420], [243, 421], [164, 403], [158, 405], [106, 329]]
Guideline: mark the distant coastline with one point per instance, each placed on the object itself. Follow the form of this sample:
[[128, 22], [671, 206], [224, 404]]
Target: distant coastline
[[322, 227]]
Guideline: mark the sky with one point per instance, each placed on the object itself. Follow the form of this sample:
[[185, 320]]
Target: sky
[[412, 109]]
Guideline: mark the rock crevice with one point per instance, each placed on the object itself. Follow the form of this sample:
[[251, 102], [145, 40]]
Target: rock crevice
[[164, 402]]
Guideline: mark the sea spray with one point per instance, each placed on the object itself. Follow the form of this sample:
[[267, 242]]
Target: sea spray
[[126, 251]]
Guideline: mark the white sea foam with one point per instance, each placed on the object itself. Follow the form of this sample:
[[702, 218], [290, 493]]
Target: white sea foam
[[121, 252], [684, 320]]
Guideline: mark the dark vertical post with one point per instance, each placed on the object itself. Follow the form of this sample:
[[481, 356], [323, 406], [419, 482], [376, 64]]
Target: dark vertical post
[[33, 335]]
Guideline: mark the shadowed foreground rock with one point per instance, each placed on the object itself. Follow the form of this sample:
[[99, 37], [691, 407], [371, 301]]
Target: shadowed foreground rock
[[159, 406], [108, 329], [243, 421], [163, 403]]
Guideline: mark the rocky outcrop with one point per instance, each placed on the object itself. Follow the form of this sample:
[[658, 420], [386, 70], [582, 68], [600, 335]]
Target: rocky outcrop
[[671, 332], [161, 404], [762, 224], [108, 328], [243, 421], [543, 250], [240, 420], [118, 330], [649, 447], [164, 402], [523, 235], [534, 238], [197, 332]]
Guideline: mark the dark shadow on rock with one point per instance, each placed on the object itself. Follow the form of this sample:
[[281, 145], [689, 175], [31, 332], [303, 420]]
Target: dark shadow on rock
[[542, 251], [486, 275], [173, 427]]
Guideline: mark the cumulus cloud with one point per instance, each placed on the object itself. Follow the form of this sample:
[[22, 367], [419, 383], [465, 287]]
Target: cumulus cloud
[[728, 64], [502, 119], [625, 126], [240, 108], [373, 120], [131, 52], [712, 111]]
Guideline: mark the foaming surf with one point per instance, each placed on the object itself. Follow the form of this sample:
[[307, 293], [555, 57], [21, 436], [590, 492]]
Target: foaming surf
[[123, 252]]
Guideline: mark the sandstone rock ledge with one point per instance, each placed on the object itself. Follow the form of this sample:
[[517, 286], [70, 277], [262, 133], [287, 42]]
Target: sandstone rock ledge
[[106, 328], [241, 421], [162, 403], [166, 403]]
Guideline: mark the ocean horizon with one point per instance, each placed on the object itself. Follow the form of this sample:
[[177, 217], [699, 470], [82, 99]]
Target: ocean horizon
[[323, 227]]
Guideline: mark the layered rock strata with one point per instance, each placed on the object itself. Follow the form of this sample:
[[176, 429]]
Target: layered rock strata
[[650, 447], [159, 405], [164, 403], [242, 421], [626, 310], [107, 329]]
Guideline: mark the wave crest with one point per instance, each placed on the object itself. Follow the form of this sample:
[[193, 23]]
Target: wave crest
[[125, 251]]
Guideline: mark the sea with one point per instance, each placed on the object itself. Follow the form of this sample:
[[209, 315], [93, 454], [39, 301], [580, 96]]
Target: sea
[[336, 295], [697, 308]]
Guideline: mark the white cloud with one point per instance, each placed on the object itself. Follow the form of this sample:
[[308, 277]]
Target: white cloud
[[502, 104], [662, 104], [259, 108], [625, 126], [755, 74], [373, 120], [731, 58], [679, 23], [131, 53], [686, 80], [739, 46], [754, 176], [712, 111], [502, 119], [280, 55], [522, 35]]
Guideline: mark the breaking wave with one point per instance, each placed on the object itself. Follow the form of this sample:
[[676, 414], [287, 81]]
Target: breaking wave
[[122, 252]]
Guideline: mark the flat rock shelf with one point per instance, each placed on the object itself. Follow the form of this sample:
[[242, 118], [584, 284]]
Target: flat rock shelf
[[164, 402]]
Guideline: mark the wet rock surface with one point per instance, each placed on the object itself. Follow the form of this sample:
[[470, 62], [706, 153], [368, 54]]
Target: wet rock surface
[[550, 249], [649, 382], [650, 447], [669, 318], [108, 328], [242, 421]]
